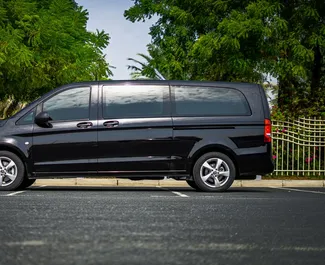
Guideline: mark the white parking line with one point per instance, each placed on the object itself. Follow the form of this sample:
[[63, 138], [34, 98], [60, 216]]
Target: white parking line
[[298, 190], [174, 192], [162, 196], [15, 193], [32, 243], [179, 194]]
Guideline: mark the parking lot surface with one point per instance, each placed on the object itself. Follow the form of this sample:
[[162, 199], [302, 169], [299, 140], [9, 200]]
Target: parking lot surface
[[121, 225]]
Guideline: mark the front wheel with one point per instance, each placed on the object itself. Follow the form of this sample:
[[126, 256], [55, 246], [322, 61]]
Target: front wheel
[[214, 172], [12, 171]]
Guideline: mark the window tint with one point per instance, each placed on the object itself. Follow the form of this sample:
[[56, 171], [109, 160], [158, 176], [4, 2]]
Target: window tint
[[71, 104], [133, 101], [210, 101], [27, 118]]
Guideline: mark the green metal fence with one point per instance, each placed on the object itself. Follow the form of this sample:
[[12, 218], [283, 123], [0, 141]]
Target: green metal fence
[[299, 147]]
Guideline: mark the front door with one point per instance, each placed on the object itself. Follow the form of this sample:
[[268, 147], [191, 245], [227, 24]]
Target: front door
[[134, 129], [69, 146]]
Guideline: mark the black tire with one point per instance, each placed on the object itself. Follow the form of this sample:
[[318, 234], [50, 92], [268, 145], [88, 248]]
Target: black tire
[[27, 183], [16, 184], [192, 184], [227, 182]]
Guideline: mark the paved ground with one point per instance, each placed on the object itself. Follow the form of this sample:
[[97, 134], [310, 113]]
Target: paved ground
[[119, 225]]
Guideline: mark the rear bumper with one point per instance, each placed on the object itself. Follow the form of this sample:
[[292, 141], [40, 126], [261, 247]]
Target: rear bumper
[[255, 164]]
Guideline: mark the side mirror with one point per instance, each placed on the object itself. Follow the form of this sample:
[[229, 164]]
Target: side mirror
[[42, 119]]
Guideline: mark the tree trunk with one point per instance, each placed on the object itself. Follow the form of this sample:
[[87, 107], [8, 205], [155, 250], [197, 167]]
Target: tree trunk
[[316, 73], [283, 94]]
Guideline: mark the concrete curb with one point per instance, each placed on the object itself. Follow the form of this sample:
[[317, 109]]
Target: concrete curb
[[172, 183]]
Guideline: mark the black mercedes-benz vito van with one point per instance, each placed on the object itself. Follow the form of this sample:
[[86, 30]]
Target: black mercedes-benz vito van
[[207, 133]]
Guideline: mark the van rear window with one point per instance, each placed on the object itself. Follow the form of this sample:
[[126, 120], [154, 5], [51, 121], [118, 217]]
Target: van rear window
[[210, 101]]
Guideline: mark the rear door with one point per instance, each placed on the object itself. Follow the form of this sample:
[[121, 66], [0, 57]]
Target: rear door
[[134, 129], [70, 145], [219, 116]]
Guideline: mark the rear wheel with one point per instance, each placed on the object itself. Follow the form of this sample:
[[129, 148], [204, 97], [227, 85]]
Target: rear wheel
[[12, 171], [214, 172]]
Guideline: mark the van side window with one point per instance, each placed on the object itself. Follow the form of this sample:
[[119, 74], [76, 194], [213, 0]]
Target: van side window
[[71, 104], [133, 101], [27, 118], [209, 101]]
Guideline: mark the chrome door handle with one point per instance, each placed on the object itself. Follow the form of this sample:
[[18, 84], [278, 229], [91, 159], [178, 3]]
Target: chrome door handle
[[84, 125], [111, 124]]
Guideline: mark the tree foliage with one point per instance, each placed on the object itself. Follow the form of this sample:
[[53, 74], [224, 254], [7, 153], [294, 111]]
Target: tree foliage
[[143, 69], [243, 40], [152, 66], [44, 44]]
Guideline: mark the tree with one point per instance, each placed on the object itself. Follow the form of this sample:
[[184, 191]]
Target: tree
[[243, 40], [44, 44], [143, 69], [152, 67]]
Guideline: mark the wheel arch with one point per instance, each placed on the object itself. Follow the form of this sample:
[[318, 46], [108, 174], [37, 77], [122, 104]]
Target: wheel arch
[[17, 152], [213, 148]]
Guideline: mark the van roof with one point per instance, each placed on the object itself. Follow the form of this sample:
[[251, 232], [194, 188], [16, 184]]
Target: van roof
[[174, 82]]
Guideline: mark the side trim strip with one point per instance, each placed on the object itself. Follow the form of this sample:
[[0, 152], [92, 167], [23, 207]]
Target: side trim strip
[[203, 127], [213, 126], [150, 172]]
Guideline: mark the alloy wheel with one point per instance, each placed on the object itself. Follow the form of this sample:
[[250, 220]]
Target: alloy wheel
[[214, 172], [8, 171]]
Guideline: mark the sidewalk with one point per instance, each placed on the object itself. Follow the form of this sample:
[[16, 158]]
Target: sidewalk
[[172, 183]]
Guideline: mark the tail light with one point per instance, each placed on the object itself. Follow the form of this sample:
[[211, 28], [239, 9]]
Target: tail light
[[267, 131]]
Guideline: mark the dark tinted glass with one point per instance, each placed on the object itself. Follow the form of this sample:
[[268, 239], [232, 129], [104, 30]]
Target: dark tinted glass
[[71, 104], [27, 119], [210, 101], [133, 101]]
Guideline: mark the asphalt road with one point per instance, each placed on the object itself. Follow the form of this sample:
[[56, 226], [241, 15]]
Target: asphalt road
[[57, 225]]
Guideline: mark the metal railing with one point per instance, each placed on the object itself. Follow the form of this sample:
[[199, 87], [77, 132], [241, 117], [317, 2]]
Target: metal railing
[[299, 147]]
